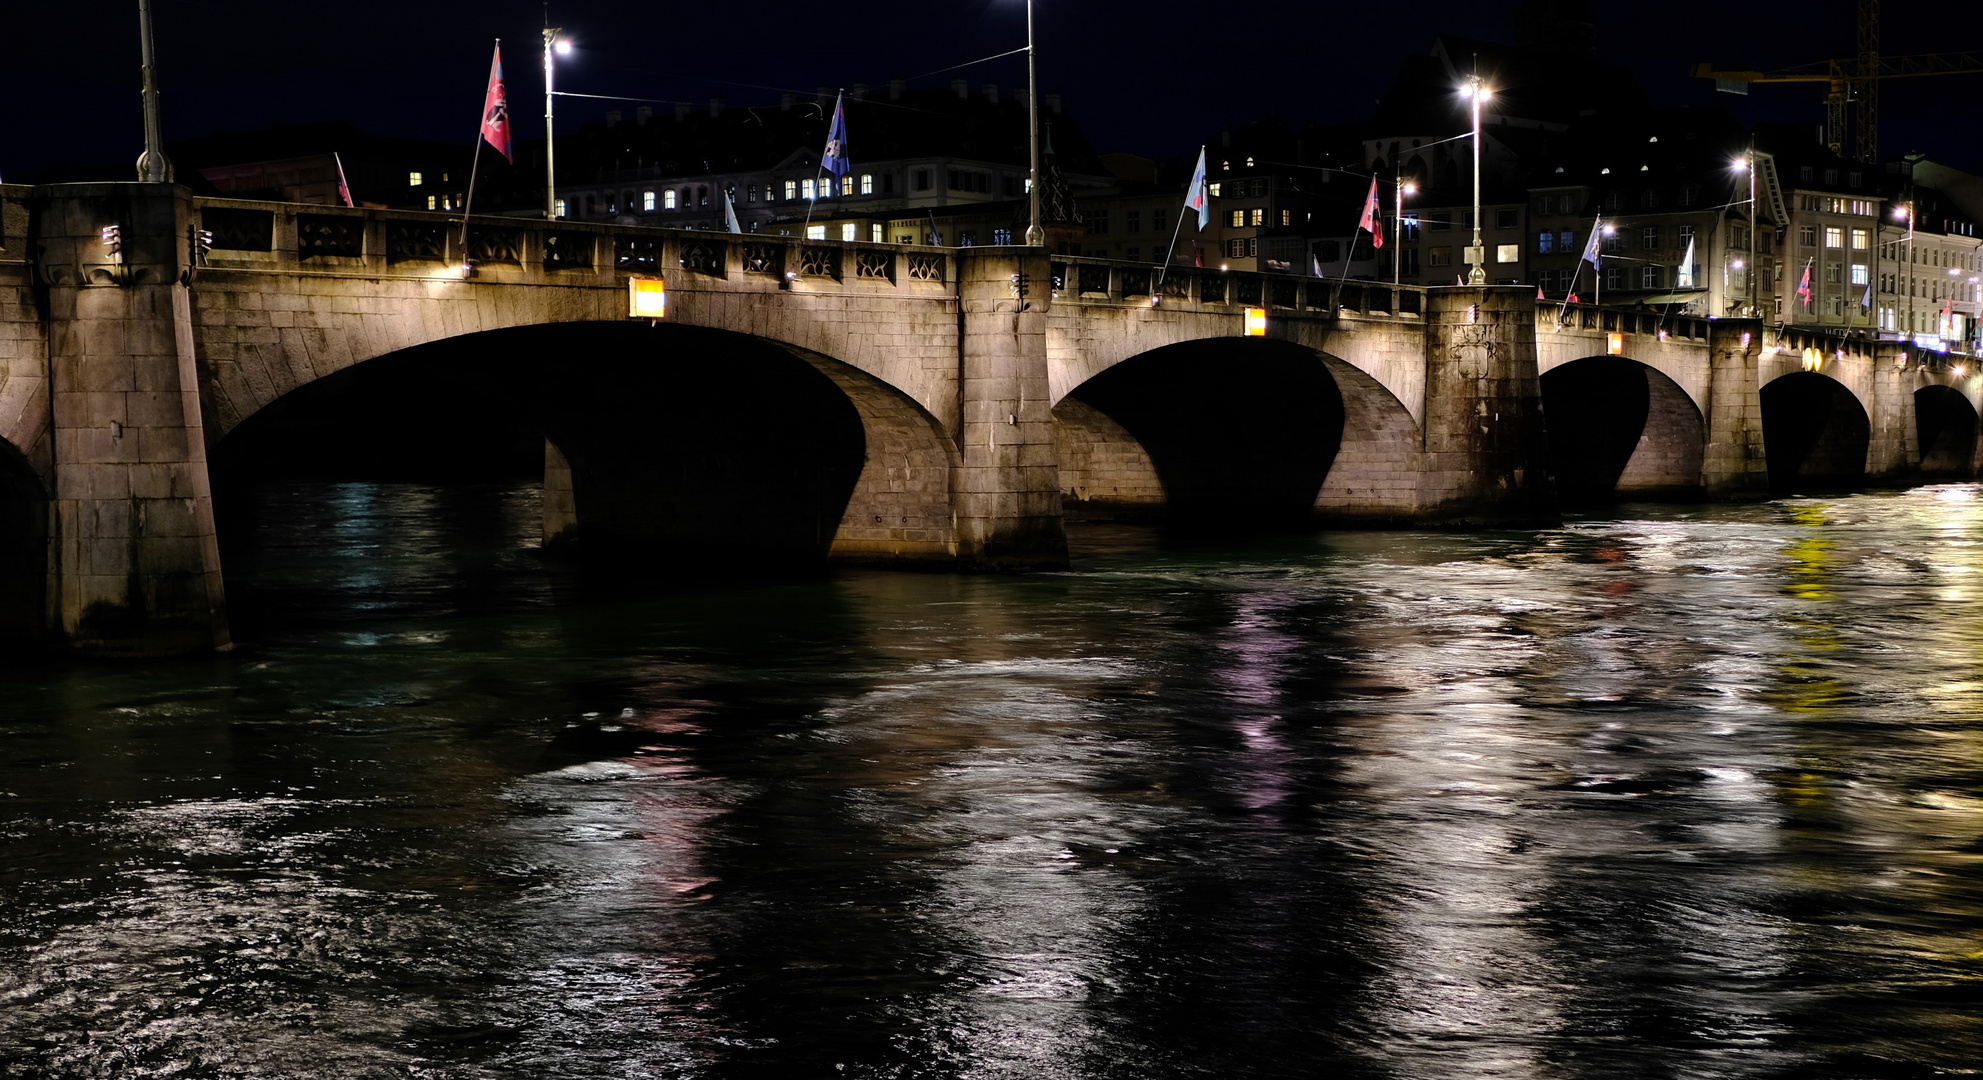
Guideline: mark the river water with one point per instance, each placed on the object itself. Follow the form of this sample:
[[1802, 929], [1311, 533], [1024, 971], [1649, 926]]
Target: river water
[[1679, 792]]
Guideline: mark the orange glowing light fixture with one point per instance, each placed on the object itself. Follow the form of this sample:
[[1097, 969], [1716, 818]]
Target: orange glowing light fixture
[[1256, 322], [1614, 343], [647, 298]]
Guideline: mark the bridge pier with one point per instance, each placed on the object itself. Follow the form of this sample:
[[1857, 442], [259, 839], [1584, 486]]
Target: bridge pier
[[1006, 497], [1484, 459], [1735, 465], [136, 562]]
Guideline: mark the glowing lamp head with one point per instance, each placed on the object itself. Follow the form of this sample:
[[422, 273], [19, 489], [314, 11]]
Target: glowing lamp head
[[1256, 322], [1737, 264], [1740, 165], [1900, 213], [647, 298], [1410, 188], [562, 47], [1959, 370]]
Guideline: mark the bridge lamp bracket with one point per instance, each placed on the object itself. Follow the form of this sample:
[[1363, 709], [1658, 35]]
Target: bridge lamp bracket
[[1256, 322], [1614, 343]]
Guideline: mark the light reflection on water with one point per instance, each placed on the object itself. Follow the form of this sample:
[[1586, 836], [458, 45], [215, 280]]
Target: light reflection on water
[[1693, 792]]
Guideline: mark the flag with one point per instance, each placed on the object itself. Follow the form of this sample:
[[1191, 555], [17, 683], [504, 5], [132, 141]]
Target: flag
[[730, 213], [1198, 196], [1572, 299], [1590, 248], [1538, 293], [496, 109], [935, 238], [1804, 285], [1315, 264], [1686, 277], [834, 160], [343, 189], [1197, 256], [1866, 301], [1373, 217]]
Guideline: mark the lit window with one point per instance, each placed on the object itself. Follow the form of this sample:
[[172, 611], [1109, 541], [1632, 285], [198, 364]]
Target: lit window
[[874, 232], [867, 183], [850, 232], [1287, 217], [1257, 216], [668, 199], [1507, 253], [808, 190], [414, 179], [647, 200], [1238, 218], [560, 204], [847, 185], [750, 192], [430, 202], [815, 232], [1213, 189], [791, 189], [1860, 240], [1545, 243], [1859, 274], [1834, 236]]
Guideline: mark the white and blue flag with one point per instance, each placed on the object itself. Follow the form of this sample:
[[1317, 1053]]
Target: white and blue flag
[[835, 159]]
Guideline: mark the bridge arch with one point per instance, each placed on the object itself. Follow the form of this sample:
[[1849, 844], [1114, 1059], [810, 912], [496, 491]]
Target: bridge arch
[[654, 437], [1945, 424], [1237, 431], [1621, 428], [1816, 432], [23, 547]]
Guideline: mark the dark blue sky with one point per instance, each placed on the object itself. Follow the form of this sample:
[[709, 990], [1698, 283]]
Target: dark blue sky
[[1152, 78]]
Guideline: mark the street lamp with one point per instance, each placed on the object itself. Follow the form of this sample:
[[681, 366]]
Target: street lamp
[[153, 167], [554, 46], [1748, 165], [1035, 235], [1475, 93], [1405, 187]]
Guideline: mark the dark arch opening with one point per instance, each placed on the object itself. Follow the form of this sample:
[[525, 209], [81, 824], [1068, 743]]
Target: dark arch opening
[[687, 448], [1620, 429], [1816, 434], [1241, 432], [1945, 424], [23, 548]]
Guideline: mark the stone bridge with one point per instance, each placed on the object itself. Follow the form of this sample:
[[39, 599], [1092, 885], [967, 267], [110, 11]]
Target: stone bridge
[[802, 399]]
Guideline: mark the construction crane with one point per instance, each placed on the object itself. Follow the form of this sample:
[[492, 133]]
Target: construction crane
[[1856, 80]]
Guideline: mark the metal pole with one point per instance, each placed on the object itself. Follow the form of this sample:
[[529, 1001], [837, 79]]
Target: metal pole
[[1755, 222], [1397, 227], [153, 167], [1035, 235], [550, 165], [1479, 274]]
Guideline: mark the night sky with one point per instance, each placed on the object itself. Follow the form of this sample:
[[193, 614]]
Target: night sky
[[1151, 78]]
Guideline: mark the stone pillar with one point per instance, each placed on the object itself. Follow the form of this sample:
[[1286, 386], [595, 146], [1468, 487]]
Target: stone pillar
[[560, 503], [1484, 459], [138, 568], [1007, 496], [1735, 464]]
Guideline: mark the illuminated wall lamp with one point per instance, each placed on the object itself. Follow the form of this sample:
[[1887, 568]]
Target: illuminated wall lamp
[[647, 298], [1614, 343], [1256, 322]]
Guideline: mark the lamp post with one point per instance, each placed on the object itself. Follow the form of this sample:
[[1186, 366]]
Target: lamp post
[[1748, 165], [1398, 228], [1035, 235], [554, 46], [153, 167], [1476, 93], [1905, 211]]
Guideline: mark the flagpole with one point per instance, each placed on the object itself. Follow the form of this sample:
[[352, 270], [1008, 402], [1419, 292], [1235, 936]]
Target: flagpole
[[814, 201], [1172, 250], [1190, 192], [475, 164]]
